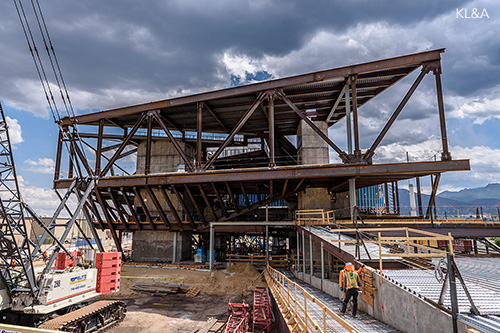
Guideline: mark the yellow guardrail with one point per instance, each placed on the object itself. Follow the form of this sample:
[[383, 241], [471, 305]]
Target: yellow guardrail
[[314, 217], [294, 310], [280, 260]]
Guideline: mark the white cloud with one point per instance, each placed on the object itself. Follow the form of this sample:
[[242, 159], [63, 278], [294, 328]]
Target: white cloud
[[43, 165], [43, 201], [482, 107], [15, 132]]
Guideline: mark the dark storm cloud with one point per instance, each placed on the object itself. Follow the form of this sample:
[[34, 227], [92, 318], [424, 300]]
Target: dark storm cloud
[[157, 48]]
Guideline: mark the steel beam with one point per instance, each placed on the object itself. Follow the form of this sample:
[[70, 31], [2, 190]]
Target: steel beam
[[432, 198], [144, 208], [189, 166], [104, 207], [354, 99], [131, 208], [337, 102], [272, 146], [231, 196], [199, 132], [122, 146], [191, 197], [325, 137], [397, 62], [235, 130], [207, 202], [369, 153], [158, 207], [445, 156]]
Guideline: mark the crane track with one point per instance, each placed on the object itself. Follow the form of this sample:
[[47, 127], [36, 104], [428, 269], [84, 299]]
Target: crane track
[[96, 317]]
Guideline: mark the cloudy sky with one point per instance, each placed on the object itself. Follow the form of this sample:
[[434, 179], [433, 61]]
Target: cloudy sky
[[117, 53]]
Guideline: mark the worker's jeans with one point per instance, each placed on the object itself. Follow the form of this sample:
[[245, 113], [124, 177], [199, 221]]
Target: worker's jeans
[[353, 292]]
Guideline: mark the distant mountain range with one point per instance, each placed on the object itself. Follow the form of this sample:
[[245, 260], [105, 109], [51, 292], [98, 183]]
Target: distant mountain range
[[466, 200]]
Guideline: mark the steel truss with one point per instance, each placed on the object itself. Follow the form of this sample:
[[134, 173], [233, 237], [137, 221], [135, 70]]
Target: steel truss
[[216, 188]]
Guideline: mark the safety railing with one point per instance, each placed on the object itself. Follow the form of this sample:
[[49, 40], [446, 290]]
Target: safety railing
[[259, 260], [314, 217], [295, 309]]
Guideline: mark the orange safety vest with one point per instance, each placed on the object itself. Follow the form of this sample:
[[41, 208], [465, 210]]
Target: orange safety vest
[[351, 280]]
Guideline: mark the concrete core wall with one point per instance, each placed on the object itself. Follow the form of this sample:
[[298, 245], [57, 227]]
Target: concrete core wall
[[313, 150], [157, 246]]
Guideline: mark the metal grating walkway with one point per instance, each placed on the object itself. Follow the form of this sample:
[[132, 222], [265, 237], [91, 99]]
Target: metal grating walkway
[[362, 322]]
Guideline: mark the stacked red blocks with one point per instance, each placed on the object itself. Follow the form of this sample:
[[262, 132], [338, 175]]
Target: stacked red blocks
[[63, 260], [109, 265]]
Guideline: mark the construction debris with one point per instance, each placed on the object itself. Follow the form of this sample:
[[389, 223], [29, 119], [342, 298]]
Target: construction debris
[[159, 289], [193, 291]]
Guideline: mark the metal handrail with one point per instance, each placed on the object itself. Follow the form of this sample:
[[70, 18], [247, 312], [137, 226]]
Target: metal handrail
[[276, 281]]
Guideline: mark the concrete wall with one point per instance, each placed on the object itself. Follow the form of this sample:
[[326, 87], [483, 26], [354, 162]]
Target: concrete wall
[[394, 306], [157, 246], [164, 156], [313, 150]]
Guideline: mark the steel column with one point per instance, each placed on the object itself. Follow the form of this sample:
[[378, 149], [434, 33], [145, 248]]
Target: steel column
[[453, 294], [272, 159], [199, 128], [297, 265], [419, 197], [322, 265], [147, 166], [311, 264], [303, 253], [445, 156], [57, 170], [348, 120], [211, 248], [357, 152]]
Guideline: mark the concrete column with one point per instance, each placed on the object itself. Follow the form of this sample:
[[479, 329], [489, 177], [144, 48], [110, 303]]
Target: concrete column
[[298, 253], [211, 248], [174, 254]]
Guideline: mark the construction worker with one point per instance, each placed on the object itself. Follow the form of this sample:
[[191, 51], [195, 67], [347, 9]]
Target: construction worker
[[349, 282]]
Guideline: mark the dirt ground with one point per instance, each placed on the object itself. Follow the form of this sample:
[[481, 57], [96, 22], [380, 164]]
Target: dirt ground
[[176, 312]]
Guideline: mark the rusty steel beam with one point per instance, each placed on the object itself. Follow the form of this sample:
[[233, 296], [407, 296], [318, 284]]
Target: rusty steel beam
[[131, 208], [419, 198], [337, 102], [57, 170], [105, 210], [147, 158], [245, 196], [123, 145], [272, 146], [117, 207], [216, 117], [207, 202], [106, 158], [235, 130], [325, 137], [144, 207], [174, 142], [199, 132], [369, 153], [432, 197], [184, 206], [354, 109], [283, 191], [171, 206], [396, 62], [158, 207], [445, 156], [98, 154], [410, 170], [231, 195], [96, 212], [191, 197], [219, 198]]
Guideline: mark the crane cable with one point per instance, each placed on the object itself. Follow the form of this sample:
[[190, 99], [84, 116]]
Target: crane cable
[[43, 76]]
